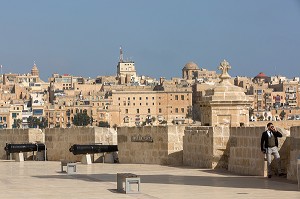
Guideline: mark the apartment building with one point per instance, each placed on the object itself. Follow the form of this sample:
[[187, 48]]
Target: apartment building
[[134, 108]]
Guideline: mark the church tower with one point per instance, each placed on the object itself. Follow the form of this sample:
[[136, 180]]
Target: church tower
[[35, 71]]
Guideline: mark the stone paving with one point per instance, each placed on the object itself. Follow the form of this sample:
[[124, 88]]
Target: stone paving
[[39, 179]]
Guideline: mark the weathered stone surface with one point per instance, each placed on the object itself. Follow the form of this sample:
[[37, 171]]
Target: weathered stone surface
[[165, 147]]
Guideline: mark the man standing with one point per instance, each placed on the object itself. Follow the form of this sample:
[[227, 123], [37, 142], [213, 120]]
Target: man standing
[[269, 146]]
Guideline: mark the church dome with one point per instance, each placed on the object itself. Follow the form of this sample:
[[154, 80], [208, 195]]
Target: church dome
[[191, 66], [261, 75]]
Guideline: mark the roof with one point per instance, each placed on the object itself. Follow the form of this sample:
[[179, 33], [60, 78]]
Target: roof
[[190, 66], [261, 75]]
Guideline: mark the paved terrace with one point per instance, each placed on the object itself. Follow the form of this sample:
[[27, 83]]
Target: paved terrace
[[38, 179]]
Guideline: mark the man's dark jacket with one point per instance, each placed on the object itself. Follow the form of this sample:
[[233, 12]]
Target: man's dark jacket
[[264, 143]]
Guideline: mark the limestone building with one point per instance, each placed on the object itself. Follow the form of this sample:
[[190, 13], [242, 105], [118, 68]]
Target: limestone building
[[135, 108], [191, 71]]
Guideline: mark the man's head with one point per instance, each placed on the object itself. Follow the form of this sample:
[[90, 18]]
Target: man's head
[[270, 126]]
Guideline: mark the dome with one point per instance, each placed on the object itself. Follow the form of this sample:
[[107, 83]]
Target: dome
[[191, 66], [261, 75]]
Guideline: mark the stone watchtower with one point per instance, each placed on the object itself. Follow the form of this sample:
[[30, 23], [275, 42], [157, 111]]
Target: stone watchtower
[[225, 104]]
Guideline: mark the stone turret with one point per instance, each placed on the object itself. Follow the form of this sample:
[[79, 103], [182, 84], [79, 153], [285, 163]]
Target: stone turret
[[225, 104], [35, 70]]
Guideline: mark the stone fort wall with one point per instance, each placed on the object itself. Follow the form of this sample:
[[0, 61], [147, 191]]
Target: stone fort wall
[[236, 149], [246, 157], [294, 153], [19, 136], [151, 144], [206, 147], [59, 140]]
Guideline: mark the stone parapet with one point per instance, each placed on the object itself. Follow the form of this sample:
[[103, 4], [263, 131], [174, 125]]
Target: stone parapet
[[19, 136], [245, 154], [246, 157], [59, 140], [151, 144], [206, 147], [294, 153]]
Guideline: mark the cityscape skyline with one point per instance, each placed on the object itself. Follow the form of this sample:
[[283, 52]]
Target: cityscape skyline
[[83, 39]]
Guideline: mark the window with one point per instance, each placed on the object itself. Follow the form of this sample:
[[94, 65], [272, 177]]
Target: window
[[37, 112], [149, 110], [146, 98], [133, 98], [182, 97], [126, 110], [119, 98], [128, 98], [176, 110], [137, 110], [159, 110], [182, 110], [152, 98], [176, 97], [140, 98]]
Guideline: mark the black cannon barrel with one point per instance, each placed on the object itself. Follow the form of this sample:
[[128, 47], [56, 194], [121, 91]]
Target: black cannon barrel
[[17, 148], [77, 149]]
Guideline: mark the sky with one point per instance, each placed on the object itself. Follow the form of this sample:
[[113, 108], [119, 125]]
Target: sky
[[83, 37]]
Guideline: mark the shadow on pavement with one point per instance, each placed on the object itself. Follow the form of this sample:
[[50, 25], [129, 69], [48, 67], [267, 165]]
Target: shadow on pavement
[[230, 181]]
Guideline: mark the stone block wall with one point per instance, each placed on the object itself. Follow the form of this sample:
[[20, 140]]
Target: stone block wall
[[151, 144], [245, 154], [221, 147], [19, 136], [294, 153], [206, 147], [59, 140], [246, 157], [198, 147]]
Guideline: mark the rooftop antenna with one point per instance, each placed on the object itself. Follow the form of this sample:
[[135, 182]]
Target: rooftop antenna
[[121, 54]]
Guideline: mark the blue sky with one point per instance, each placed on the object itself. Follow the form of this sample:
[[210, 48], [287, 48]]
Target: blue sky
[[82, 37]]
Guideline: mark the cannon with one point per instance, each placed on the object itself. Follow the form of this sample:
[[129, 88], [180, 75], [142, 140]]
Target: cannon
[[27, 147], [77, 149], [18, 148]]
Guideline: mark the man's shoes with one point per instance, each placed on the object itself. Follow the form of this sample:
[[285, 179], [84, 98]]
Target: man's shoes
[[269, 176]]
